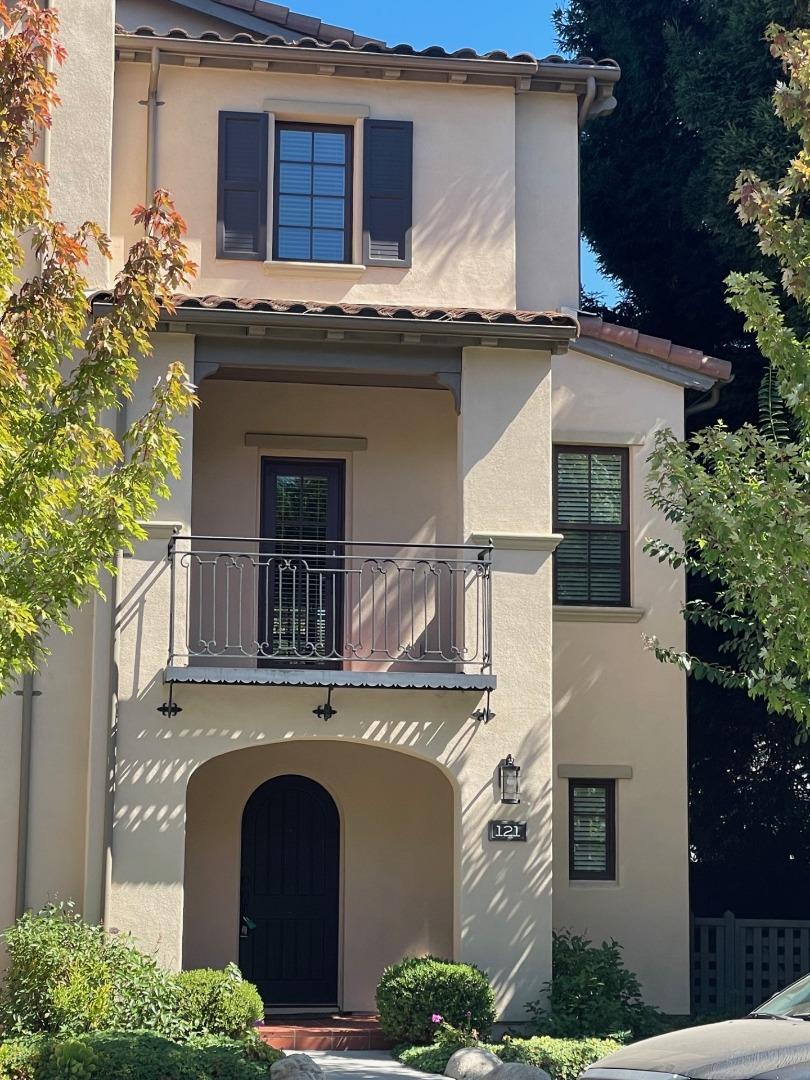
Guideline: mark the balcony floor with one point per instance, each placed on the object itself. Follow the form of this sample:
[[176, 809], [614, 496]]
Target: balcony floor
[[395, 680]]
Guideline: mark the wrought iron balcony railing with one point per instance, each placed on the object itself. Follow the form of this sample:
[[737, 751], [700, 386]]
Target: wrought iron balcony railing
[[324, 604]]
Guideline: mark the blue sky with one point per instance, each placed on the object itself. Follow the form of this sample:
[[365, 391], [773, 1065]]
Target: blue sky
[[521, 26]]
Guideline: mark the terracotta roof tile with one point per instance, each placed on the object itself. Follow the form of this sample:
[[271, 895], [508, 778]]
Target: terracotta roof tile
[[424, 313], [321, 35], [593, 326]]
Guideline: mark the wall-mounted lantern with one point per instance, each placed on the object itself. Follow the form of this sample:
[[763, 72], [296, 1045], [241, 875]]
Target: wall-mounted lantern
[[509, 776]]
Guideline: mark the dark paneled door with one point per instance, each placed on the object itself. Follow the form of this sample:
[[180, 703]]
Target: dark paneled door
[[302, 573], [290, 895]]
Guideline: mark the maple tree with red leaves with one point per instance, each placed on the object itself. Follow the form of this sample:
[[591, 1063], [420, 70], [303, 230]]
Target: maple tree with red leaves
[[72, 492]]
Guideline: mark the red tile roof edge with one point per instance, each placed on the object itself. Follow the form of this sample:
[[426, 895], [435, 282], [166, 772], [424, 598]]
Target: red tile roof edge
[[422, 312], [328, 40], [594, 326]]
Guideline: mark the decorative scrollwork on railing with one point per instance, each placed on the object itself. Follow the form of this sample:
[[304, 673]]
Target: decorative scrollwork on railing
[[299, 602]]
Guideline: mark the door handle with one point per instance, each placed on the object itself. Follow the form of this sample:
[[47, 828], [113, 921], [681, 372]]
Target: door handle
[[247, 924]]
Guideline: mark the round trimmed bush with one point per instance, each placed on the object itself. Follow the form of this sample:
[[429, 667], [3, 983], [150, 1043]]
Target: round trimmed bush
[[217, 1002], [411, 992]]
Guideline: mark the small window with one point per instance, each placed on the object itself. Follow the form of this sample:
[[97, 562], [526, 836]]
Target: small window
[[592, 562], [592, 830], [312, 193]]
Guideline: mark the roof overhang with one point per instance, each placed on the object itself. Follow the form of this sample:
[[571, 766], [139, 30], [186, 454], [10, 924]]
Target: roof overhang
[[548, 331], [586, 79], [646, 365]]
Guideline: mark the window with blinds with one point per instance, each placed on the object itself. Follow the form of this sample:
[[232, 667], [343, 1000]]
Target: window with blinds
[[592, 562], [592, 830]]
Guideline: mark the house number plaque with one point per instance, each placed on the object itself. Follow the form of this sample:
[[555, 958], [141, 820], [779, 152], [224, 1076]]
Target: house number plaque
[[507, 830]]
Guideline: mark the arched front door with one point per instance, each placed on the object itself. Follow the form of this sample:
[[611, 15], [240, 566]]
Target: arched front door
[[288, 941]]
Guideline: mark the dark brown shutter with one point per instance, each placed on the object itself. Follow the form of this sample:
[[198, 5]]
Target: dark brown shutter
[[242, 186], [387, 192]]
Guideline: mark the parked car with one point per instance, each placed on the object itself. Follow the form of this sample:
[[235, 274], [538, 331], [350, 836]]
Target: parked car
[[771, 1043]]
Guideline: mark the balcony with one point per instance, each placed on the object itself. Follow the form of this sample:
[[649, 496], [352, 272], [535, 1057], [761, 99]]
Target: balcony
[[294, 611]]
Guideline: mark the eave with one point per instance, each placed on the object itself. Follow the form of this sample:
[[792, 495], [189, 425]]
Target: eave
[[523, 74]]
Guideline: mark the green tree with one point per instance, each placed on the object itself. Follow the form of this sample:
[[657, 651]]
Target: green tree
[[71, 492], [694, 101], [741, 499]]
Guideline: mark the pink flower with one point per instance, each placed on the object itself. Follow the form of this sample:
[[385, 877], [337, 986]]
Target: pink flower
[[437, 1018]]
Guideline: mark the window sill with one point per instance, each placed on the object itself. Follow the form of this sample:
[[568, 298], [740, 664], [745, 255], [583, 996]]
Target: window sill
[[284, 266], [564, 613]]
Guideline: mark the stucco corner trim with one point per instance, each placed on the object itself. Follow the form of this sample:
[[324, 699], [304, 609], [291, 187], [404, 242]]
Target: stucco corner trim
[[161, 530], [598, 614], [595, 772], [281, 441], [518, 541], [598, 438], [327, 269], [296, 109]]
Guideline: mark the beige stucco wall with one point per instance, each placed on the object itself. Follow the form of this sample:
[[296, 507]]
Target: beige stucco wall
[[401, 488], [397, 836], [614, 704], [501, 904]]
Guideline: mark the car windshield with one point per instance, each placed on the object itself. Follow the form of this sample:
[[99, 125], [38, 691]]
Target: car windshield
[[792, 1001]]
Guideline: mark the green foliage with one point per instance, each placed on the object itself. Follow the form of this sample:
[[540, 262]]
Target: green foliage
[[217, 1002], [563, 1059], [740, 499], [591, 993], [69, 977], [72, 490], [20, 1057], [411, 992], [132, 1056]]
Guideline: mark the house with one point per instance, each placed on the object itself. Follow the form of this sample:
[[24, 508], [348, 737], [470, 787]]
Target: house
[[374, 684]]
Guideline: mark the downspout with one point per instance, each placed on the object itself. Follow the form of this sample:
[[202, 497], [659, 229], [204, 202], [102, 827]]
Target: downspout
[[112, 729], [23, 812], [709, 402], [27, 692], [152, 104], [587, 101]]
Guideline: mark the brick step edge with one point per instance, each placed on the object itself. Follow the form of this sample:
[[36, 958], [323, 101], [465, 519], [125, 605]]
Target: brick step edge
[[307, 1038]]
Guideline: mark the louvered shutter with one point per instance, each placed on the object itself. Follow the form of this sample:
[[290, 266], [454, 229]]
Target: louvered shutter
[[242, 186], [591, 824], [387, 192], [591, 564]]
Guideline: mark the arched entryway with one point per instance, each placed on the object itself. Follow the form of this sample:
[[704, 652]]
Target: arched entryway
[[290, 892], [397, 854]]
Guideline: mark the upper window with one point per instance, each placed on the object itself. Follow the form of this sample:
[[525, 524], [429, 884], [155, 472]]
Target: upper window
[[592, 830], [312, 210], [312, 191], [592, 562]]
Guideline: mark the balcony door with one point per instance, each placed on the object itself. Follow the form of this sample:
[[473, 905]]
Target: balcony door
[[301, 584]]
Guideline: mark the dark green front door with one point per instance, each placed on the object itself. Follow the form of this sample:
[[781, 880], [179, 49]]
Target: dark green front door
[[290, 892]]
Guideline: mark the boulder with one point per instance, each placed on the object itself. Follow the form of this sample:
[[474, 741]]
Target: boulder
[[472, 1063], [296, 1067], [517, 1070]]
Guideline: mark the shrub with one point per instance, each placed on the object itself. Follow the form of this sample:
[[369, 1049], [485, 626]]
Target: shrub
[[412, 991], [434, 1058], [69, 977], [19, 1058], [563, 1059], [592, 993], [132, 1056], [217, 1002]]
